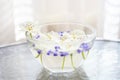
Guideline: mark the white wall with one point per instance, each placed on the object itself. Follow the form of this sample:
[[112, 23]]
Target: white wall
[[7, 33], [14, 12]]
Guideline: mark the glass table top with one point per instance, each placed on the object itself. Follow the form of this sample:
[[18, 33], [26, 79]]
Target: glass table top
[[103, 63]]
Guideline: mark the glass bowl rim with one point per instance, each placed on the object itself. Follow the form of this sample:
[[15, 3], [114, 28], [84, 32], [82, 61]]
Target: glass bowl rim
[[77, 23]]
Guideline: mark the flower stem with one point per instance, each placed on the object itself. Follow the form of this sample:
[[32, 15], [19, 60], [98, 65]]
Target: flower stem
[[26, 33], [83, 55], [37, 56], [71, 56], [88, 52], [40, 55], [41, 58], [31, 35], [63, 63]]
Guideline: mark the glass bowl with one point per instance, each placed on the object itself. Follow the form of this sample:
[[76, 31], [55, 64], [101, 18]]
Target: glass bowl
[[60, 47]]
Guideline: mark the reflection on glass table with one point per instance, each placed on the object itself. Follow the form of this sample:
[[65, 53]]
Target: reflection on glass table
[[103, 63]]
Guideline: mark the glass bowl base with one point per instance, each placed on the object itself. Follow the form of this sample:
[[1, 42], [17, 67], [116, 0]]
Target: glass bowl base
[[78, 74]]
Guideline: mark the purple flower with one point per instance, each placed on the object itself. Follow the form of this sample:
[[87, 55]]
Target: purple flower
[[56, 50], [85, 46], [60, 33], [55, 54], [79, 51], [49, 52], [57, 47], [37, 36], [63, 53], [39, 51]]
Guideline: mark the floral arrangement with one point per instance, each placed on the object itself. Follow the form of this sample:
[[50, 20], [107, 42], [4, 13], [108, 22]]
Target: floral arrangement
[[61, 43]]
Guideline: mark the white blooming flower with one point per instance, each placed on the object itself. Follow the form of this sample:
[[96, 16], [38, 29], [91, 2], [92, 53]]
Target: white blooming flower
[[30, 27], [78, 34]]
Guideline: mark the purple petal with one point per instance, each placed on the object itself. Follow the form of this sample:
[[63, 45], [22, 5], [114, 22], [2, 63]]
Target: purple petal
[[57, 47], [55, 54], [39, 51], [63, 53], [56, 50], [60, 33], [79, 51], [85, 46], [49, 52], [38, 36]]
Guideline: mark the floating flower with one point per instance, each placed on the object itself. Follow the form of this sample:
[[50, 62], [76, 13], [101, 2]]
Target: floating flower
[[78, 34], [53, 36], [29, 27]]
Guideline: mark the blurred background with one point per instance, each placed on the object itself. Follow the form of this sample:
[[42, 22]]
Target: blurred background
[[103, 15]]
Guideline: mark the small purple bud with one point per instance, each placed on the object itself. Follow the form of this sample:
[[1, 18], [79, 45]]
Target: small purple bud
[[60, 33], [38, 36], [49, 52], [55, 54], [84, 46], [38, 51], [79, 51], [66, 53], [63, 53], [57, 47]]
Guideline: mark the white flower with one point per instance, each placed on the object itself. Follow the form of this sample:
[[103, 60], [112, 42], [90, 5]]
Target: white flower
[[78, 34], [30, 27], [53, 36]]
